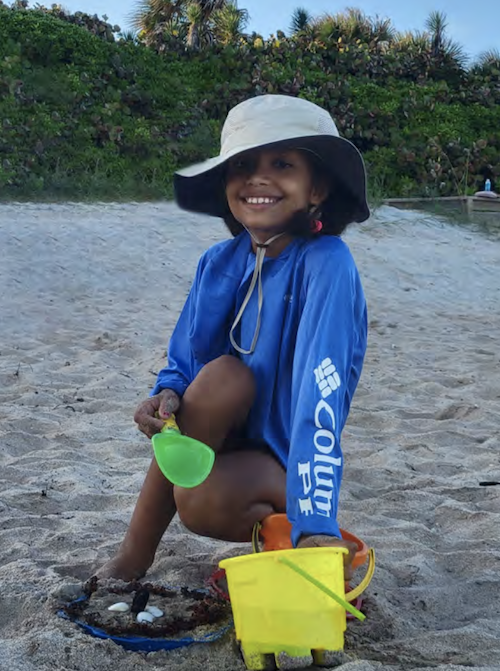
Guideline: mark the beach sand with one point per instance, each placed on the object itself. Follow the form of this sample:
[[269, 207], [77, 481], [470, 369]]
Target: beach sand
[[88, 297]]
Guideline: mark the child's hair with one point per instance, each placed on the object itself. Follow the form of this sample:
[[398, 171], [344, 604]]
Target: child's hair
[[333, 213]]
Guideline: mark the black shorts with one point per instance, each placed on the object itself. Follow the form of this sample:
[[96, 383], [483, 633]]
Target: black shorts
[[238, 440]]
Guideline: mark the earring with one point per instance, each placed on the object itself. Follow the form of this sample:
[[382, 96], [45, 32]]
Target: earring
[[316, 226]]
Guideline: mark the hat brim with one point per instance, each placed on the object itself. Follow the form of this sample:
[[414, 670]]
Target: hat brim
[[201, 187]]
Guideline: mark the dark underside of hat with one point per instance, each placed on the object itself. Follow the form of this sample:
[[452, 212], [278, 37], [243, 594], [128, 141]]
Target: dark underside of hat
[[205, 193]]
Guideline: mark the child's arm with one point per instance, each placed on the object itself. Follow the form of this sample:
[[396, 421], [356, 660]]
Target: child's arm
[[331, 343], [181, 368], [178, 373]]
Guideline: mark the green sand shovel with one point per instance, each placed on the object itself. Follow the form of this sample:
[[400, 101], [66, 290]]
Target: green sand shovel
[[184, 461]]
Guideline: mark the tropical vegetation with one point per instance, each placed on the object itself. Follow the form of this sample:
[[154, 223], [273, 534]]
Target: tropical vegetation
[[88, 111]]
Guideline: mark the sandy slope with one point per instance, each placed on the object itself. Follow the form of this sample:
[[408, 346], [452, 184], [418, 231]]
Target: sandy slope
[[88, 296]]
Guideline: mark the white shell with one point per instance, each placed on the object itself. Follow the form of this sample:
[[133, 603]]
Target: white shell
[[155, 612], [121, 607], [144, 617]]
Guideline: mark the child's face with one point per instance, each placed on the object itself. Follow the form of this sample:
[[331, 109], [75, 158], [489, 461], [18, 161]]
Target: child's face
[[264, 188]]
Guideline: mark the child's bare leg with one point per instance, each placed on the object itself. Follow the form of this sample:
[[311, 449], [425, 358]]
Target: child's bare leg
[[153, 512], [244, 487], [218, 400]]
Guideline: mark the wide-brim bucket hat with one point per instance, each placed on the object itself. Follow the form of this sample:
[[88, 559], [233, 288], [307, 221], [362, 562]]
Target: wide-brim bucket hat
[[265, 121]]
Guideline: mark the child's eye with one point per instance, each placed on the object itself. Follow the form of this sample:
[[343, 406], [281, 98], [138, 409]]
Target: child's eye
[[239, 164], [282, 164]]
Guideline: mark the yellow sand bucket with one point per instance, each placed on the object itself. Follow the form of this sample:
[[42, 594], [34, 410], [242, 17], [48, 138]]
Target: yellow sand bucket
[[291, 602]]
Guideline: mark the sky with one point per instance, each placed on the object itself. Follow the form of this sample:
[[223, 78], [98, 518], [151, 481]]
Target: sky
[[475, 25]]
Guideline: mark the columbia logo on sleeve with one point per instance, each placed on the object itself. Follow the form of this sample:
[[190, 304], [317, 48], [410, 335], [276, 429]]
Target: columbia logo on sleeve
[[318, 475], [327, 378]]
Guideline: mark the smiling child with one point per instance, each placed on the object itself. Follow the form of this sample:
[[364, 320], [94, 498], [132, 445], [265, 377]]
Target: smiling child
[[267, 352]]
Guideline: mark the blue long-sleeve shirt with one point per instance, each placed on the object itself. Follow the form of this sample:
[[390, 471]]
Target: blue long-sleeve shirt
[[306, 364]]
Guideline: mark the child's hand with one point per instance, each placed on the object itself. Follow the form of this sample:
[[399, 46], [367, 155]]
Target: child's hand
[[160, 406], [319, 541]]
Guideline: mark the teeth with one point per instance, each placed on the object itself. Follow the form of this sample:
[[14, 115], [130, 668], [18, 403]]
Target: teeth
[[260, 201]]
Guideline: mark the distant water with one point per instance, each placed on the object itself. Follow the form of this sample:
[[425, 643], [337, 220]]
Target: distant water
[[484, 223]]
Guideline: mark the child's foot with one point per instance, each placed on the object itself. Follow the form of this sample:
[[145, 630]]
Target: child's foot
[[328, 541], [124, 567]]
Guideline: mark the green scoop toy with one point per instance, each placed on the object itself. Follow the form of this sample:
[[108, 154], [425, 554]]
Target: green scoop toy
[[184, 461]]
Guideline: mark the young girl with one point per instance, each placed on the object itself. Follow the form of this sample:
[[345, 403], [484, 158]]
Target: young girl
[[266, 355]]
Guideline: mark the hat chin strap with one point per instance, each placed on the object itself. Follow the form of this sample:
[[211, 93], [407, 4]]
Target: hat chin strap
[[256, 280]]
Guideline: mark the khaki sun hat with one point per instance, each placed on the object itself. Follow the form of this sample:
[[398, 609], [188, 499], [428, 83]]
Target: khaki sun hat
[[277, 119]]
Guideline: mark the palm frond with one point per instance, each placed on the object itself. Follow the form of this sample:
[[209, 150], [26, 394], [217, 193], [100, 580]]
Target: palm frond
[[209, 7], [150, 13], [230, 23], [128, 36], [300, 21], [437, 23], [383, 30], [354, 24], [455, 51], [194, 13], [488, 59]]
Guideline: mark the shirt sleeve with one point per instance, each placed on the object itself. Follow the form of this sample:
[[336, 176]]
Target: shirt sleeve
[[181, 368], [329, 353]]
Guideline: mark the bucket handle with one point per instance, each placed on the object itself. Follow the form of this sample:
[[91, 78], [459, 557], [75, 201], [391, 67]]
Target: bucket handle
[[353, 593], [342, 602], [255, 537], [359, 589]]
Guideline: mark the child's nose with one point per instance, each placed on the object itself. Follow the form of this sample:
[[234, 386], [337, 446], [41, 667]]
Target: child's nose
[[259, 173]]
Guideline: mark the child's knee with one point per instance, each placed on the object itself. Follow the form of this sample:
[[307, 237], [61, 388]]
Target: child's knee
[[241, 380], [232, 372], [196, 510], [224, 380]]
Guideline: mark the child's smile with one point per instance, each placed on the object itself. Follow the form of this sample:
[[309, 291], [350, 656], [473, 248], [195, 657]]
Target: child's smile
[[261, 202], [266, 188]]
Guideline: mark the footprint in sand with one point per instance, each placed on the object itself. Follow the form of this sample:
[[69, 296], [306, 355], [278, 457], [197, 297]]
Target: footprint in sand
[[458, 411], [455, 382]]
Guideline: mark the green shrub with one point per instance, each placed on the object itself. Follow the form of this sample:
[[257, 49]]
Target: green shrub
[[83, 115]]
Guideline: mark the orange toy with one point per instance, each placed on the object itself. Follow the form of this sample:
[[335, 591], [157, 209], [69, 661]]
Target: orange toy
[[276, 530]]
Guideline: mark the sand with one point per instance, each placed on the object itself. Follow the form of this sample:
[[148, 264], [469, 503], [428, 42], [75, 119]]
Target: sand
[[88, 297]]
